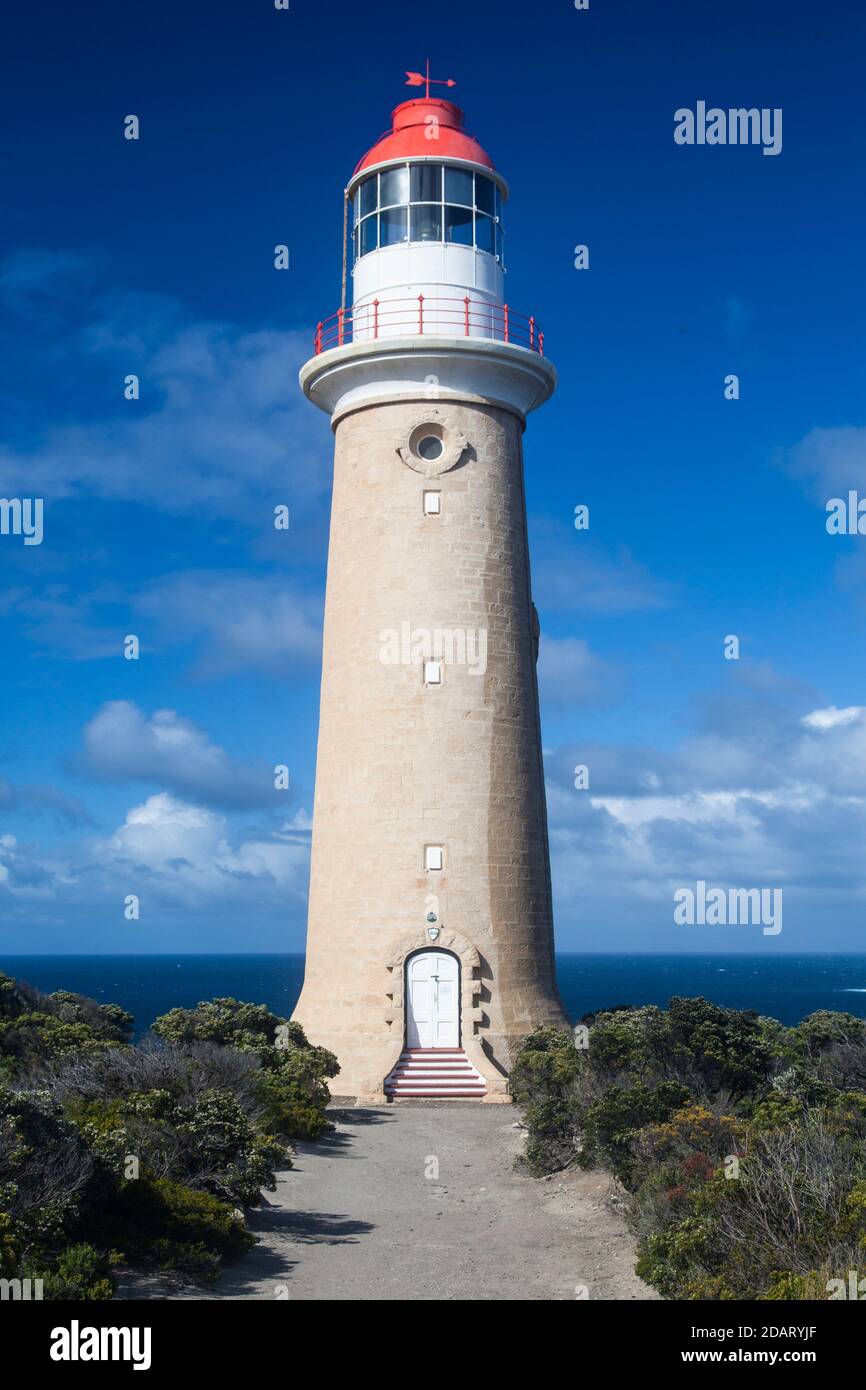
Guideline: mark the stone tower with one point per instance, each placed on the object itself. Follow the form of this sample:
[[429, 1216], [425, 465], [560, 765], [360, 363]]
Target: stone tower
[[430, 938]]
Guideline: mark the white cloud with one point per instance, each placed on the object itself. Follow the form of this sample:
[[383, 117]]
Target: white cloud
[[164, 831], [175, 856], [241, 622], [122, 744], [766, 802], [830, 461], [225, 620], [832, 717], [187, 850], [221, 425]]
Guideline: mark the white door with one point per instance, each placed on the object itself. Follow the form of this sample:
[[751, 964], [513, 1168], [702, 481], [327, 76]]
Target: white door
[[432, 1003]]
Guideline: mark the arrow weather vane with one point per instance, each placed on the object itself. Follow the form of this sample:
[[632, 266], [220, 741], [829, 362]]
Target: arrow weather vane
[[420, 79]]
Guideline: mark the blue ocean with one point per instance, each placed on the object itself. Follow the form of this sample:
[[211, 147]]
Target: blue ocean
[[784, 987]]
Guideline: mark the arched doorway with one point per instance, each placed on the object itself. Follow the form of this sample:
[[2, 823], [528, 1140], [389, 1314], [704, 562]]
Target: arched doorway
[[432, 1000]]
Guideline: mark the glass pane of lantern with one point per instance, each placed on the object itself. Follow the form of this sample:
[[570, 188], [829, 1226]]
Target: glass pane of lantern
[[458, 226], [426, 183], [485, 195], [499, 241], [393, 226], [458, 186], [367, 196], [393, 187], [484, 233], [426, 222], [369, 232]]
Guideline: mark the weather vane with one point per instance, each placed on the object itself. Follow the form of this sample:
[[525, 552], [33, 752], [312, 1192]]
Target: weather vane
[[420, 79]]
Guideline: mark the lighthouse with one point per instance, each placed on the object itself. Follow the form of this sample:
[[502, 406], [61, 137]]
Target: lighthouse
[[430, 935]]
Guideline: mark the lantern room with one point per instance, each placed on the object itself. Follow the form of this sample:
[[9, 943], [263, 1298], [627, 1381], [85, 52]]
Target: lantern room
[[425, 226]]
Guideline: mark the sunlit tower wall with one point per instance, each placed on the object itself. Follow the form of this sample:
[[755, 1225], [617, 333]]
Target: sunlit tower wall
[[430, 825]]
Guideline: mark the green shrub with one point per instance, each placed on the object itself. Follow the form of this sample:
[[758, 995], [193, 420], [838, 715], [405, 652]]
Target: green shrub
[[158, 1222], [203, 1109], [292, 1093], [79, 1273], [542, 1081], [676, 1261], [192, 1115], [48, 1176], [290, 1084], [741, 1143], [705, 1047], [205, 1141], [611, 1123], [10, 1252], [228, 1022], [37, 1027]]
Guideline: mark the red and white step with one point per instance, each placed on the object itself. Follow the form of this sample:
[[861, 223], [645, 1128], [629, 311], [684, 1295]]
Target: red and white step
[[428, 1073]]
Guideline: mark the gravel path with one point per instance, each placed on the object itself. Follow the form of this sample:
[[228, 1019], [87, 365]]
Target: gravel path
[[358, 1218]]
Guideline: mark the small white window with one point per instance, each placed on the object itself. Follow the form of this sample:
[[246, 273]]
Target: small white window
[[432, 672], [432, 503], [433, 857]]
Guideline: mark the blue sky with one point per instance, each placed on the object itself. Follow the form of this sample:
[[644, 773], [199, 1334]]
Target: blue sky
[[707, 516]]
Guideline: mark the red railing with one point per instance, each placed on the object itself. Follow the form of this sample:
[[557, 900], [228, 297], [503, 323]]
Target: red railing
[[431, 314]]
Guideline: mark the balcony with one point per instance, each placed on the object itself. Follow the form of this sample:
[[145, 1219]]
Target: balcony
[[448, 317]]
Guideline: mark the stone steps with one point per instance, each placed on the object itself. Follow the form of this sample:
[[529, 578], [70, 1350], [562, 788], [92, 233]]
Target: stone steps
[[424, 1073]]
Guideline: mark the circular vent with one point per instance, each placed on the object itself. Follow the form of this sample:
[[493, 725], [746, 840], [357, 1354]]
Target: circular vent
[[429, 448]]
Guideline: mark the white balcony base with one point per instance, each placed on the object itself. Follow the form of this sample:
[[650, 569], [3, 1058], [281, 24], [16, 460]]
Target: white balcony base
[[425, 367]]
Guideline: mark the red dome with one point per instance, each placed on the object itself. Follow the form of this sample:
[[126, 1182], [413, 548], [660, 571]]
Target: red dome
[[408, 138]]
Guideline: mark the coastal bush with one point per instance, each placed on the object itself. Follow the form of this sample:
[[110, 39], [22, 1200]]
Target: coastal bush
[[50, 1185], [48, 1175], [79, 1273], [612, 1122], [542, 1082], [741, 1144], [706, 1048], [157, 1222], [227, 1022], [206, 1142], [290, 1085], [111, 1152], [789, 1221], [160, 1109], [110, 1076], [37, 1027], [292, 1092], [10, 1253]]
